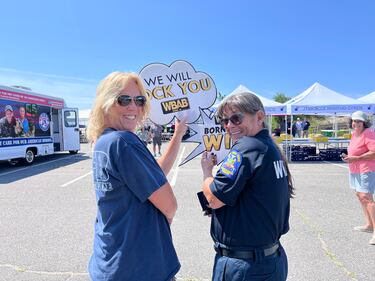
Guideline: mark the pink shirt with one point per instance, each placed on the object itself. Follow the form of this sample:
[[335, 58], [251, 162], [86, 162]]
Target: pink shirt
[[358, 146]]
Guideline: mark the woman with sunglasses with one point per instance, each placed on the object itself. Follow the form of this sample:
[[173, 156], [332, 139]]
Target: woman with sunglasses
[[135, 202], [361, 159], [249, 196]]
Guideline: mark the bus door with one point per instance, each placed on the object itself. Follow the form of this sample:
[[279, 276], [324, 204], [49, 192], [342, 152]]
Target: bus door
[[70, 129]]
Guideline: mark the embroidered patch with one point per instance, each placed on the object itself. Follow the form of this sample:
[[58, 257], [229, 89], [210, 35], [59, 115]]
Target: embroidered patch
[[231, 164]]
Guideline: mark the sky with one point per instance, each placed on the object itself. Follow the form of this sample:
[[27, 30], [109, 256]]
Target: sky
[[65, 48]]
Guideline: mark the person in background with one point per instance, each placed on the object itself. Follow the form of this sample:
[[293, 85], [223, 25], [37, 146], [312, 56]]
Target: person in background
[[8, 123], [288, 128], [305, 127], [135, 202], [156, 133], [249, 196], [144, 136], [361, 159], [22, 127], [294, 130], [276, 132], [299, 128]]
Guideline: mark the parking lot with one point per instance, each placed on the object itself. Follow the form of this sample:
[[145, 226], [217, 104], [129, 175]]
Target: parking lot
[[48, 209]]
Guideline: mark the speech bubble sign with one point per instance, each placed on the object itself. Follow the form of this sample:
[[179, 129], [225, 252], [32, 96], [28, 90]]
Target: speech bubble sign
[[210, 136], [177, 90]]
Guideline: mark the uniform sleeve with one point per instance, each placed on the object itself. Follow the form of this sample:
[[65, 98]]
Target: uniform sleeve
[[139, 170], [370, 139], [235, 171]]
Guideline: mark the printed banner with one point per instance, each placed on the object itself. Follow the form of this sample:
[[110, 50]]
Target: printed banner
[[24, 141], [177, 90], [24, 120], [332, 109]]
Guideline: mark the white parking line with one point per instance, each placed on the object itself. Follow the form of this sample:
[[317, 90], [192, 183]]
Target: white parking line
[[174, 178], [36, 165], [76, 179], [338, 165]]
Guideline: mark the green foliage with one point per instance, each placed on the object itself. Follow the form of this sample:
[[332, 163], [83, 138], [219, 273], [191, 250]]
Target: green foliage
[[281, 97], [278, 120]]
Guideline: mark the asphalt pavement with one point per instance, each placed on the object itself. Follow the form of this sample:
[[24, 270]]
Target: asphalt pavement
[[47, 212]]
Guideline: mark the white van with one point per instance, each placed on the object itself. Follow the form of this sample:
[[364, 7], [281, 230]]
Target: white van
[[33, 125]]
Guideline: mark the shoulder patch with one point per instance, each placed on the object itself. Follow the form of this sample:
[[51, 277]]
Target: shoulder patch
[[231, 164]]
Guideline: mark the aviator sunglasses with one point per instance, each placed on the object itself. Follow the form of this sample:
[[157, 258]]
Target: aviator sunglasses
[[125, 100], [235, 119]]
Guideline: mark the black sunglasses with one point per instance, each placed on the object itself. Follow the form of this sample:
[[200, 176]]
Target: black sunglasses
[[235, 119], [125, 100]]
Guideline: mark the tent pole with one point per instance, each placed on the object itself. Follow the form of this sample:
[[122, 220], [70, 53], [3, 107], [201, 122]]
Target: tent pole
[[335, 126], [269, 117], [286, 134]]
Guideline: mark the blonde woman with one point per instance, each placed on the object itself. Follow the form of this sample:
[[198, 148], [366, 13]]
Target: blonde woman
[[135, 202]]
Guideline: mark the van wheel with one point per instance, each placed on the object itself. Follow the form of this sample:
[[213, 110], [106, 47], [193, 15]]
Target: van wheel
[[13, 162], [29, 157], [73, 151]]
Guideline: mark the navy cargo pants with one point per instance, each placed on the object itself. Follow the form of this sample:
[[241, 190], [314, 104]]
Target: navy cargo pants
[[270, 268]]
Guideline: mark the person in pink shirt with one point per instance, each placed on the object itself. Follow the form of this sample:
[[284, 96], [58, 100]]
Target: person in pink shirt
[[361, 159]]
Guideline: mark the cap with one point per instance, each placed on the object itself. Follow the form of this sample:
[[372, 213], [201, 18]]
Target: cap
[[359, 115], [8, 107]]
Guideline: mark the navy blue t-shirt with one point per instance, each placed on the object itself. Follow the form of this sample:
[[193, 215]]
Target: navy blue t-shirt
[[252, 182], [132, 239]]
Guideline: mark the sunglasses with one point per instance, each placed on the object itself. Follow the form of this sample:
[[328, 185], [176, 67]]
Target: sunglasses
[[125, 100], [235, 119]]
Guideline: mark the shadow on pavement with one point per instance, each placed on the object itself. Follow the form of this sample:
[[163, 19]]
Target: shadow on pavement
[[41, 165]]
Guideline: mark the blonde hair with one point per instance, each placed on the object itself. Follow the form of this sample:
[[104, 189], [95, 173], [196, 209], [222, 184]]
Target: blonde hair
[[108, 91]]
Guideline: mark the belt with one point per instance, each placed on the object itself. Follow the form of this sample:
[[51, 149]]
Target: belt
[[246, 254]]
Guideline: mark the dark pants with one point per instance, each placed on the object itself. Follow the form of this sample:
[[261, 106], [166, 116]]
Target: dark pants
[[270, 268]]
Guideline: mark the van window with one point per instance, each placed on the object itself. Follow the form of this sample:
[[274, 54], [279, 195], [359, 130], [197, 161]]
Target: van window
[[70, 118]]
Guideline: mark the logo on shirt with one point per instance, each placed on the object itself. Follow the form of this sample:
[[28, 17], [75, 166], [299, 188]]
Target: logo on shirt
[[100, 162], [231, 164]]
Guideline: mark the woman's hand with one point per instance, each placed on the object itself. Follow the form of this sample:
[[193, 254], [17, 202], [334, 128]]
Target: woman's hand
[[349, 159], [208, 161], [180, 128], [369, 155]]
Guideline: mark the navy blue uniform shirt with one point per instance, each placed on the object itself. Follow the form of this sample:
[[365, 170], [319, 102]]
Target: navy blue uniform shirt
[[133, 240], [252, 182]]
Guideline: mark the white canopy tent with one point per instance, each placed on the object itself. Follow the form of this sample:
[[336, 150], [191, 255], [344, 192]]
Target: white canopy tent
[[270, 106], [368, 98], [320, 100]]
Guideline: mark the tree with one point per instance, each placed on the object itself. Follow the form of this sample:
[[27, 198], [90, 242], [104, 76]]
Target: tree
[[277, 121], [281, 97]]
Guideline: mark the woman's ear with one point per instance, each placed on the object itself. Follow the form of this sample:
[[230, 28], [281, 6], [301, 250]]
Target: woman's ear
[[260, 116]]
